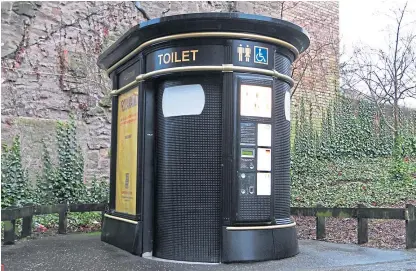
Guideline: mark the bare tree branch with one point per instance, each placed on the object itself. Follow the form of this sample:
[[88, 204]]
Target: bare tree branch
[[388, 75], [283, 9], [141, 10]]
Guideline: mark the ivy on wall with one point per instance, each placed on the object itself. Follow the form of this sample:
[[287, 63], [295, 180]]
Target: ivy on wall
[[62, 182], [69, 183], [353, 157], [348, 130], [15, 189]]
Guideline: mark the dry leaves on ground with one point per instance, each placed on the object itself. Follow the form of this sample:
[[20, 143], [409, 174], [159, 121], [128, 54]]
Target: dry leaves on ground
[[382, 233]]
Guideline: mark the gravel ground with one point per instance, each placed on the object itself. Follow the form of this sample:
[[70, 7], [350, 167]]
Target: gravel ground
[[382, 233]]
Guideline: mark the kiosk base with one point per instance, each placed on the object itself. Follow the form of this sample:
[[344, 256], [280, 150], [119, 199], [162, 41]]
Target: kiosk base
[[259, 245], [245, 245], [119, 233]]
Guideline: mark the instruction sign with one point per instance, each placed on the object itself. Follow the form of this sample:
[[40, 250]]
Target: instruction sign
[[264, 135], [126, 168], [264, 184], [255, 101]]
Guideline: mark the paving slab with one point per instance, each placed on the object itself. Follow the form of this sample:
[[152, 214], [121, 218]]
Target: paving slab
[[87, 252]]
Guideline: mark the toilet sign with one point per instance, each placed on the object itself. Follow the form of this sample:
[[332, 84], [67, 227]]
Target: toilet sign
[[261, 55], [252, 54]]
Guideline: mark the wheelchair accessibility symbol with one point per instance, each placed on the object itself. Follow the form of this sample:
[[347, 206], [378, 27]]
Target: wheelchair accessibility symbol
[[261, 55]]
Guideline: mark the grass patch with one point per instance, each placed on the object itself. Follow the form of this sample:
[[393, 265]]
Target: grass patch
[[93, 233]]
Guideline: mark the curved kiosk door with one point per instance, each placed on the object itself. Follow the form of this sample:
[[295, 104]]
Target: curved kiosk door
[[200, 167], [188, 169]]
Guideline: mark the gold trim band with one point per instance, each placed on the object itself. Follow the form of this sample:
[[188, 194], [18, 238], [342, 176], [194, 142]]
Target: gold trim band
[[261, 227], [223, 68], [117, 91], [121, 219], [205, 35]]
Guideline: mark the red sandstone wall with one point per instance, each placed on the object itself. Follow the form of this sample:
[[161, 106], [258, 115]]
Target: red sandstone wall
[[49, 52]]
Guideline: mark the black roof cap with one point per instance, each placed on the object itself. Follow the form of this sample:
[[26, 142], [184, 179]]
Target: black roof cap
[[199, 22]]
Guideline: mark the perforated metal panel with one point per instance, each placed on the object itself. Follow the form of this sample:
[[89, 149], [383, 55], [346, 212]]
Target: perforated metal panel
[[188, 178], [254, 208], [281, 143], [282, 64]]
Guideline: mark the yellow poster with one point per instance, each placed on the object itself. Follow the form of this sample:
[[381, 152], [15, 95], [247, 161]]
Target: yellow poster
[[126, 168]]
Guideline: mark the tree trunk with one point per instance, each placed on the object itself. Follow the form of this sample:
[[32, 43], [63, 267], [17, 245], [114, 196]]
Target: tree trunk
[[396, 119]]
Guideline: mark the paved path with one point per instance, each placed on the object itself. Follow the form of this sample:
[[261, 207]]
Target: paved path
[[86, 252]]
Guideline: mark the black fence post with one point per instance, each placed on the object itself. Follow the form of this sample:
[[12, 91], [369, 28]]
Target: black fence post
[[27, 226], [362, 228], [410, 226], [102, 216], [320, 225], [9, 232], [63, 222]]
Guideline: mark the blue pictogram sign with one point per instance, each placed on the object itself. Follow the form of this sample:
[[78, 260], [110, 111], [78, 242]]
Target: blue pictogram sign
[[261, 55]]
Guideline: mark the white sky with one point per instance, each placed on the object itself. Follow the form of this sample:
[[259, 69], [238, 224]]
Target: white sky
[[367, 22]]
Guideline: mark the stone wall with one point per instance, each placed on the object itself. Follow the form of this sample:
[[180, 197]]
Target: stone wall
[[49, 52]]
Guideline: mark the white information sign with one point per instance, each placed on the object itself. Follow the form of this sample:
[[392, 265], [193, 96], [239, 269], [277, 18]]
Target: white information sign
[[263, 184], [264, 159], [264, 135], [256, 101]]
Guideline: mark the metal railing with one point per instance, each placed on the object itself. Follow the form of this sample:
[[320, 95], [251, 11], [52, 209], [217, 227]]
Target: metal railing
[[9, 216], [362, 214]]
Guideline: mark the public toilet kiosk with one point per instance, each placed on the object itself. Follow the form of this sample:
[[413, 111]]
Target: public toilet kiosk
[[200, 145]]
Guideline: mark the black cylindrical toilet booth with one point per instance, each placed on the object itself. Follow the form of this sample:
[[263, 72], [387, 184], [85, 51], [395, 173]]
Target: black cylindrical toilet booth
[[200, 145]]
